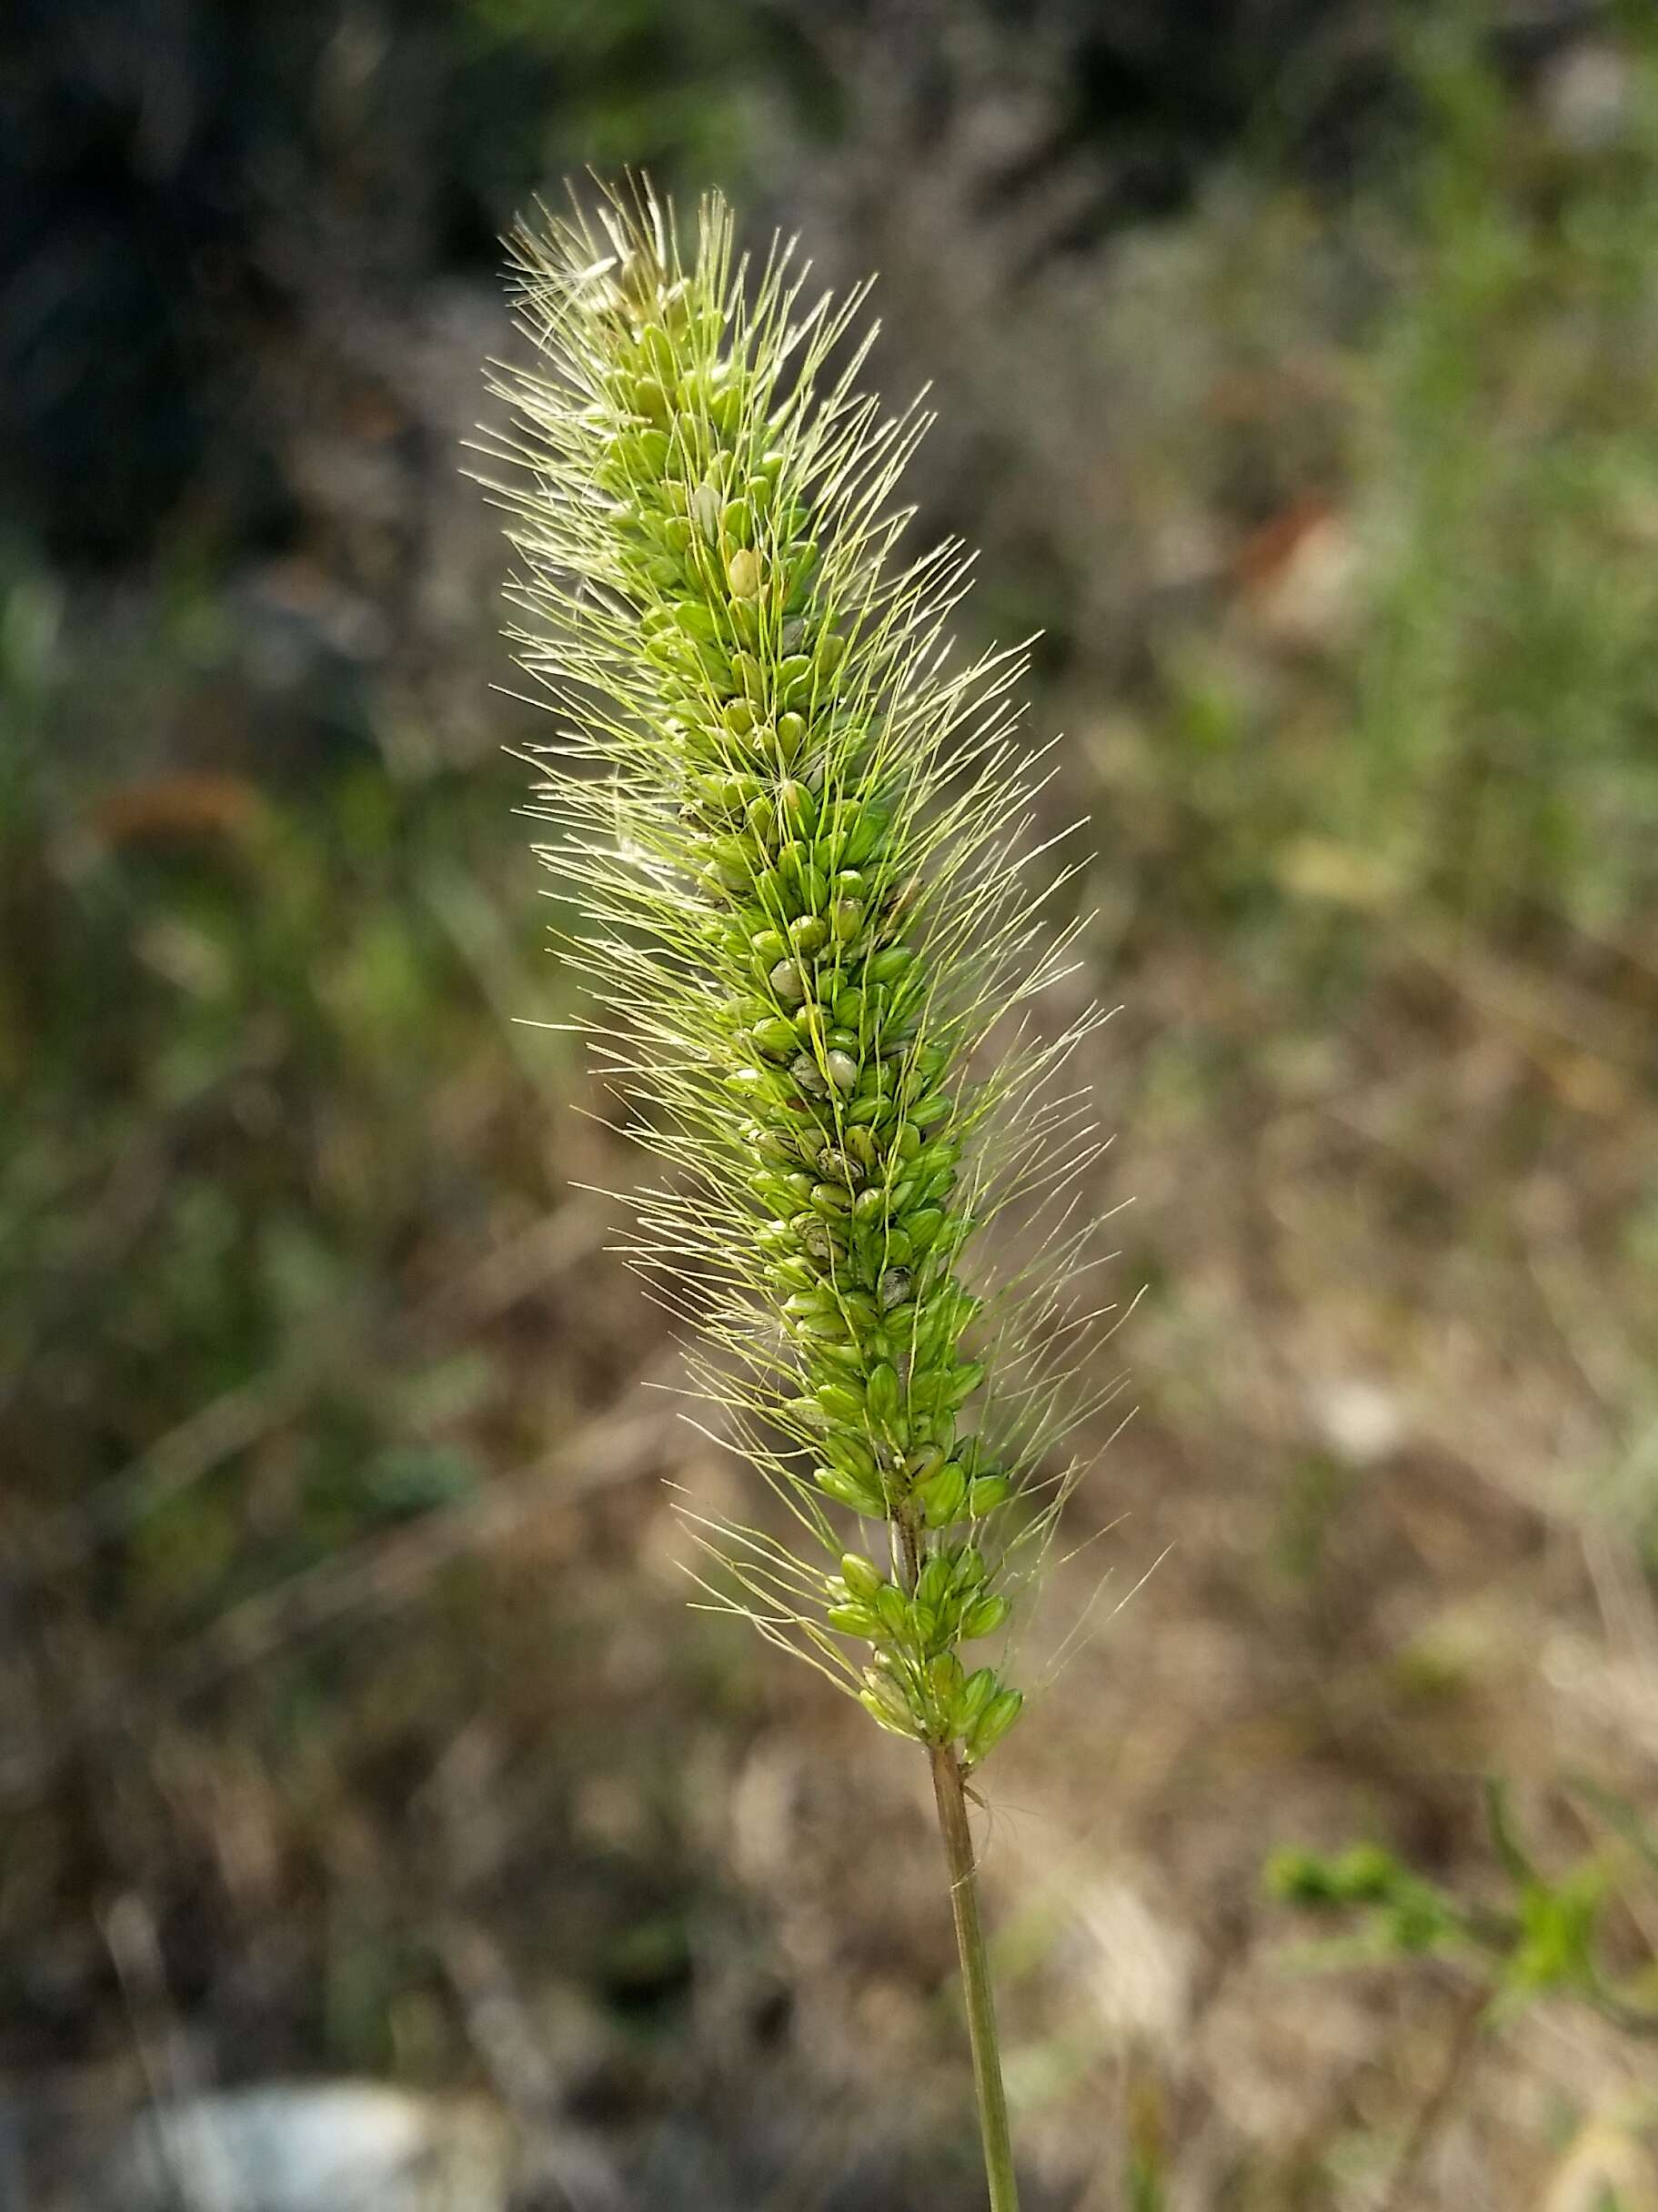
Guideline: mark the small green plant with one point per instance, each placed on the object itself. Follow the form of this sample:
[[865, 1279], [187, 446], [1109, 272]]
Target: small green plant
[[1543, 1940], [795, 836], [1546, 1938]]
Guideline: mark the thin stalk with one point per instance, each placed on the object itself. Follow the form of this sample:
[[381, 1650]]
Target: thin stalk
[[976, 1985]]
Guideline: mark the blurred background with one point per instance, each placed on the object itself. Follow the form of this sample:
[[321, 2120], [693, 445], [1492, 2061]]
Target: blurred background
[[368, 1795]]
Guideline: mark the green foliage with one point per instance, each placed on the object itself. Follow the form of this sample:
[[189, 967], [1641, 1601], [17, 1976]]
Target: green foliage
[[1402, 1913], [614, 81], [1505, 703], [1545, 1939], [1449, 725], [226, 1159]]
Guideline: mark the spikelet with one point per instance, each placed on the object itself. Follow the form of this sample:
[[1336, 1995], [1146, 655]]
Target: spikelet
[[794, 836]]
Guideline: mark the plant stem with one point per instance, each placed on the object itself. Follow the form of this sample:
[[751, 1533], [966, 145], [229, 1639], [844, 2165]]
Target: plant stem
[[980, 1998]]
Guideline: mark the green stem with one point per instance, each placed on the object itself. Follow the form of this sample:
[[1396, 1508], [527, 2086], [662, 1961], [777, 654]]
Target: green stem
[[980, 1998]]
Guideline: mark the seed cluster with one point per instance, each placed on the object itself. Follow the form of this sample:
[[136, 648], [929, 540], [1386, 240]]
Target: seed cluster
[[792, 833]]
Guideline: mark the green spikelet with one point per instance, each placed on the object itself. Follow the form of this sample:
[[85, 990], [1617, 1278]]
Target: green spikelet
[[793, 835]]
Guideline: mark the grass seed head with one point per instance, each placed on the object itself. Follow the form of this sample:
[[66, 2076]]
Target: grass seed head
[[793, 831]]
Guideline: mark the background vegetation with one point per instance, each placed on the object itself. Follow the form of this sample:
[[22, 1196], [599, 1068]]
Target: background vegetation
[[1295, 366]]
